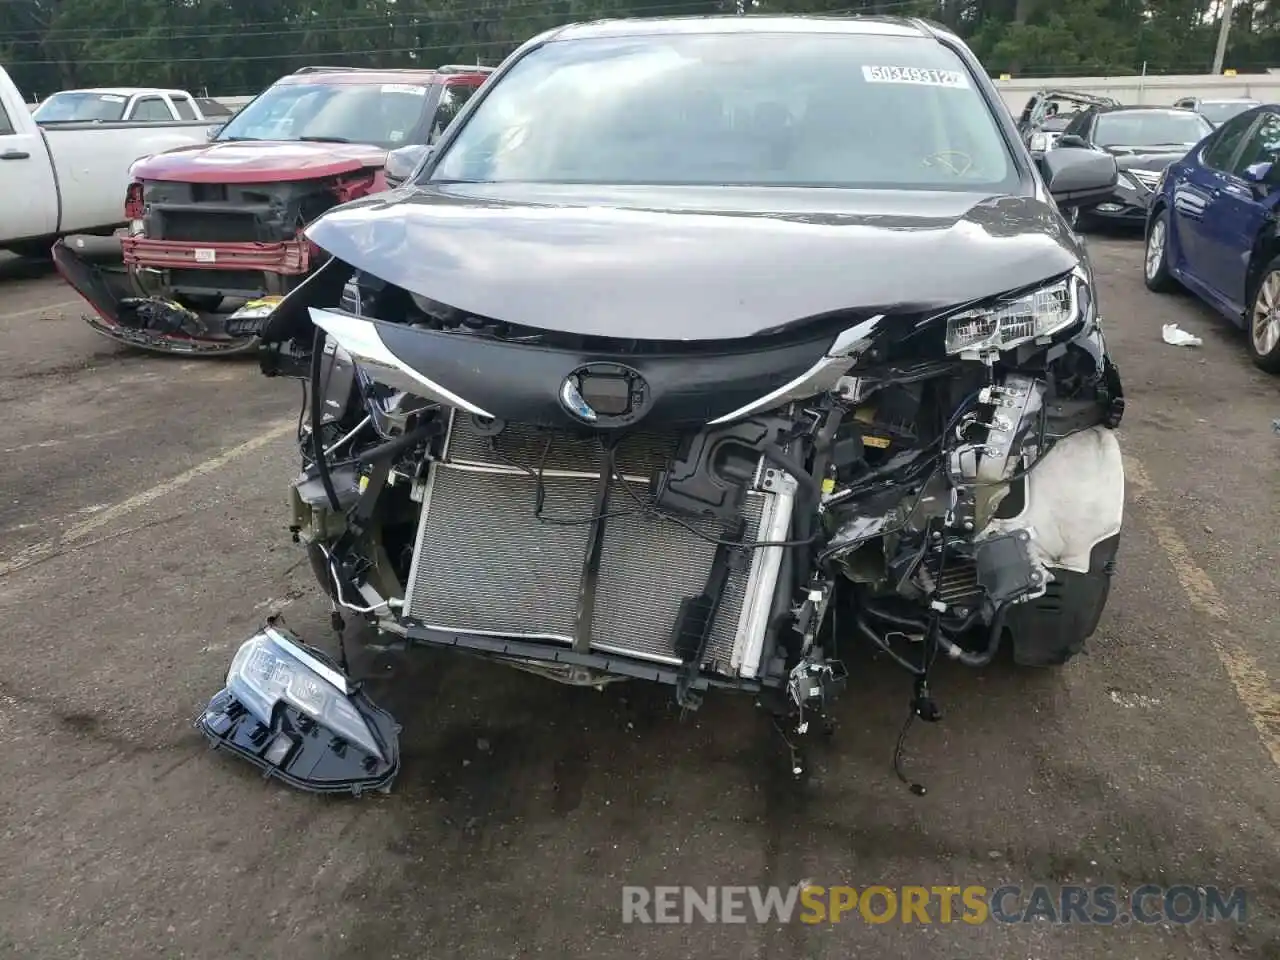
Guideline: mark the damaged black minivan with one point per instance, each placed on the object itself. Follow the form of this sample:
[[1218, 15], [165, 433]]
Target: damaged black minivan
[[698, 351]]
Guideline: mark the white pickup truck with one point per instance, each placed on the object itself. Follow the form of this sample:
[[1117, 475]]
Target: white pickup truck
[[139, 104], [65, 178]]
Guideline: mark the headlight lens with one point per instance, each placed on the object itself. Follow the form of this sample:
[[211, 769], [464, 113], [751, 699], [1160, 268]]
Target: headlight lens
[[1007, 324], [1039, 142], [268, 669]]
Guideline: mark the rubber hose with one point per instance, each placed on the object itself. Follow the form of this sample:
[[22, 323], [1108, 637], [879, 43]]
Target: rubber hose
[[397, 444], [983, 657], [779, 458]]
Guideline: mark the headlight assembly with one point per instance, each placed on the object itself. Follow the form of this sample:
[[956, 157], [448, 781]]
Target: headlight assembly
[[269, 669], [1007, 323]]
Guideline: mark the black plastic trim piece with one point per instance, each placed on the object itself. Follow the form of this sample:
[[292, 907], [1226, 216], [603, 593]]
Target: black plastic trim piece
[[684, 388]]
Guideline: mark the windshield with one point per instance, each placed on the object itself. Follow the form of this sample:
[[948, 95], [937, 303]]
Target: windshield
[[756, 109], [379, 114], [1217, 113], [72, 107], [1151, 128]]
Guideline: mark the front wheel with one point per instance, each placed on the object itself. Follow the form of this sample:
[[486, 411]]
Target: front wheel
[[1155, 261], [1264, 319], [1080, 220]]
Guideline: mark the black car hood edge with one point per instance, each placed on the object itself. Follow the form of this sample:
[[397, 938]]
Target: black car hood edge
[[658, 263], [1134, 158]]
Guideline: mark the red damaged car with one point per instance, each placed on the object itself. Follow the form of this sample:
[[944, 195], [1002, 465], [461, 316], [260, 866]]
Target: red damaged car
[[214, 236]]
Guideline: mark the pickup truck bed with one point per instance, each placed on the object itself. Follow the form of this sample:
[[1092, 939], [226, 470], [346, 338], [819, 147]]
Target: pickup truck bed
[[70, 178]]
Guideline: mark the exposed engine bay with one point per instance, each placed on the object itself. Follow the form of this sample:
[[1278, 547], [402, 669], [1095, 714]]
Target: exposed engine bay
[[737, 515], [201, 264]]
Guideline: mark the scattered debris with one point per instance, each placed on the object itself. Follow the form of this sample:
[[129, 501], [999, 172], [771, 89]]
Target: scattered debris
[[1177, 337], [1131, 700]]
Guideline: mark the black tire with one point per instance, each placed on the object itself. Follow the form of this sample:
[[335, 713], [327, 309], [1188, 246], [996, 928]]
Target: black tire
[[1082, 221], [1052, 630], [1262, 322], [33, 249], [1156, 273]]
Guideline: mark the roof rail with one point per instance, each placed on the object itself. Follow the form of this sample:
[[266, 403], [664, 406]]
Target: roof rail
[[464, 68], [331, 68]]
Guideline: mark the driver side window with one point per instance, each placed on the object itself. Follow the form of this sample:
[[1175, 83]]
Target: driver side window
[[1222, 148], [1263, 146]]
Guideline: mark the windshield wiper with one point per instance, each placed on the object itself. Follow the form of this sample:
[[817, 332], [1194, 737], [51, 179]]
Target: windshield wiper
[[324, 139], [237, 140]]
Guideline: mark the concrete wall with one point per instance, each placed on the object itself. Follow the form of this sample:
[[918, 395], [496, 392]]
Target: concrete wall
[[1163, 90]]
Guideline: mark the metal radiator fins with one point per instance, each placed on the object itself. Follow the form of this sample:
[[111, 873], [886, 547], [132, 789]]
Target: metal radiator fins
[[484, 563]]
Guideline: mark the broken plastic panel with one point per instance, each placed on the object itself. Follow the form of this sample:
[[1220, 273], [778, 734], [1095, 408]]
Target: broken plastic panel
[[288, 710]]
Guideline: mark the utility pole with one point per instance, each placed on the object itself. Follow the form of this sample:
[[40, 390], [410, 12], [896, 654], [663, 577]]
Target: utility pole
[[1224, 29]]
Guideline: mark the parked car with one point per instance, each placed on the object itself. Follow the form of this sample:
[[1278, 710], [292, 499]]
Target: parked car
[[1217, 112], [70, 177], [1144, 141], [218, 225], [1212, 228], [1048, 113], [214, 109], [114, 104], [785, 330]]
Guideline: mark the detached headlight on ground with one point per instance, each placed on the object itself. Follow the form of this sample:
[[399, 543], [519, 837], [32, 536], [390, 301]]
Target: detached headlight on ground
[[1006, 324], [289, 711], [269, 669]]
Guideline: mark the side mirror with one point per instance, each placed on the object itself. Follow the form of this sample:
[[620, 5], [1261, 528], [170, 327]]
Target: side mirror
[[402, 163], [1072, 140], [1079, 178], [1260, 173], [212, 133]]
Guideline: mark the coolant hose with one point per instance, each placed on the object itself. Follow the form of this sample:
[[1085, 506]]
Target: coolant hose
[[780, 458], [983, 657], [317, 443], [394, 446]]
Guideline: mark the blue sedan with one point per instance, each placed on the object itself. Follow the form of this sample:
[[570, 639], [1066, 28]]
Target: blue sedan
[[1212, 228]]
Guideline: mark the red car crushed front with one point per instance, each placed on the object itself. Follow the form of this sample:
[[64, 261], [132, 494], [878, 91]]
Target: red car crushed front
[[214, 236]]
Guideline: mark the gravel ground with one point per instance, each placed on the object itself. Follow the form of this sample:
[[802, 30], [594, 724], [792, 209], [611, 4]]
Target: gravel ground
[[142, 537]]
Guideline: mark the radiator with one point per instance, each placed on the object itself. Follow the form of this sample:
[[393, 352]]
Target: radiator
[[483, 564]]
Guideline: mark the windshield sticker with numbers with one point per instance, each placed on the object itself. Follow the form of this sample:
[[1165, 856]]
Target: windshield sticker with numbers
[[404, 88], [924, 76]]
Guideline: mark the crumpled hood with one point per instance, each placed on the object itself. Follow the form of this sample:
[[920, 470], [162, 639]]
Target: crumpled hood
[[257, 161], [1148, 161], [660, 263]]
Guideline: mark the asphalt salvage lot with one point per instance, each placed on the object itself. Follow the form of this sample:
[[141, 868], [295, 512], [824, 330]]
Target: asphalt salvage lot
[[142, 538]]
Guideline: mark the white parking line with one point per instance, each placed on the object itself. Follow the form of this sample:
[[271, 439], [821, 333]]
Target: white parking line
[[41, 551], [47, 308], [1253, 686]]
